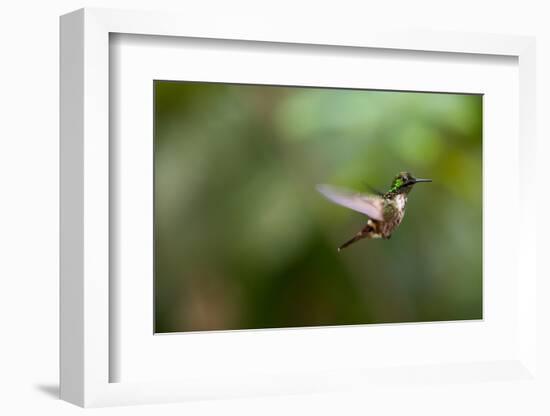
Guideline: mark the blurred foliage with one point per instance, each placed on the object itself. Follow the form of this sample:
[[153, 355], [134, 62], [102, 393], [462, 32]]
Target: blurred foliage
[[243, 240]]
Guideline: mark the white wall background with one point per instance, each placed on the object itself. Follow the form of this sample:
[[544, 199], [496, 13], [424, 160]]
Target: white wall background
[[29, 198]]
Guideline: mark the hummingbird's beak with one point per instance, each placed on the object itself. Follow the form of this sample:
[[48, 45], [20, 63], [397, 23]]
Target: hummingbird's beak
[[422, 180]]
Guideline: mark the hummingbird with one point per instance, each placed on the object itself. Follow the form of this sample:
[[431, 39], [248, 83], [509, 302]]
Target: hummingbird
[[385, 210]]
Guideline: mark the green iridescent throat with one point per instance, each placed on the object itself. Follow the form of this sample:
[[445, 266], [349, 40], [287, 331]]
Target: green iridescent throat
[[398, 183]]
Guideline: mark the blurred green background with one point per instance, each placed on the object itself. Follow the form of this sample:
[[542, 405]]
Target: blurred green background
[[243, 239]]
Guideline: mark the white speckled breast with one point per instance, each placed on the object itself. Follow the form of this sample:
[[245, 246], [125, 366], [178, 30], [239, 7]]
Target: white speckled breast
[[386, 228], [401, 201]]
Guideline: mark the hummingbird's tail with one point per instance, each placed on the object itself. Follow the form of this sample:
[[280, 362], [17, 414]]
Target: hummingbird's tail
[[355, 238], [365, 232]]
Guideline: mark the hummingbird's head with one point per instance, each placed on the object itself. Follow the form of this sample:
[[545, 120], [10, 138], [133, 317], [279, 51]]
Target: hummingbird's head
[[404, 182]]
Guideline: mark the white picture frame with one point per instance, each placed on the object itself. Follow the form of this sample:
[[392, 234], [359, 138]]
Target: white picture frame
[[86, 293]]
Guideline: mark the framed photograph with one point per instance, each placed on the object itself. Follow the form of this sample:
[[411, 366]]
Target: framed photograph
[[267, 211]]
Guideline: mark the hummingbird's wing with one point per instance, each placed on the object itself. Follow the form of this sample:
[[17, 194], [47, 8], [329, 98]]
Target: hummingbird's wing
[[370, 205]]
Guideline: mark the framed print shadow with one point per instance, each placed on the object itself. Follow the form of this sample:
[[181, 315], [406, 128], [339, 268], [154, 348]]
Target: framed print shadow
[[281, 212], [244, 240]]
